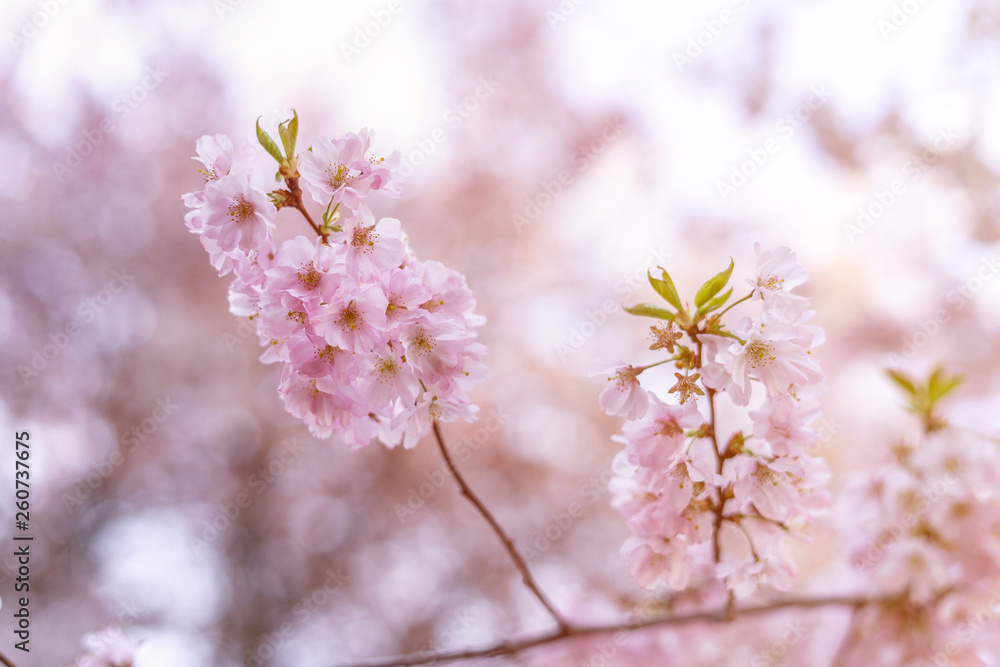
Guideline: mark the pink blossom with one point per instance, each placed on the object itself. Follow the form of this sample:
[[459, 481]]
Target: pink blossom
[[216, 153], [404, 292], [434, 349], [305, 270], [388, 379], [781, 422], [657, 438], [237, 214], [312, 357], [372, 246], [622, 396], [773, 353], [340, 171], [450, 294], [778, 273], [322, 404], [355, 320], [765, 487]]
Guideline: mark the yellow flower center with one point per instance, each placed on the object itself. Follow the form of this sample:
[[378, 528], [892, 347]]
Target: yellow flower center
[[240, 210], [760, 353]]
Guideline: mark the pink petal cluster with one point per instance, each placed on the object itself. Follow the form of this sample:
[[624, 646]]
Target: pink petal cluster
[[372, 342], [671, 480], [931, 535], [342, 171]]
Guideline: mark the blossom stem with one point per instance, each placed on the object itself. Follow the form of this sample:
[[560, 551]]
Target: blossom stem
[[293, 188], [641, 369], [734, 303], [720, 507], [719, 459], [508, 543], [725, 615]]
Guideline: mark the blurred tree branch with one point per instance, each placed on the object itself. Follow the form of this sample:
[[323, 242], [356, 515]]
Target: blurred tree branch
[[725, 615]]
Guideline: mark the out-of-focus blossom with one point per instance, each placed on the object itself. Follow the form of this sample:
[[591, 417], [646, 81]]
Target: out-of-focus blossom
[[109, 648]]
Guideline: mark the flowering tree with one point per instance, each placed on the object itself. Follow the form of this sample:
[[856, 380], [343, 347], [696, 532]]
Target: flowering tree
[[375, 344]]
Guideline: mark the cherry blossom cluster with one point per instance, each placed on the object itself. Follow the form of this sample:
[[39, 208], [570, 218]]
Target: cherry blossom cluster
[[372, 342], [926, 529], [703, 504]]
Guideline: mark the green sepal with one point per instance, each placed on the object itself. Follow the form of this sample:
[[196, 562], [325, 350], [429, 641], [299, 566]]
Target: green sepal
[[713, 286], [649, 310], [924, 398], [268, 143], [903, 381], [289, 132], [939, 386], [714, 304], [665, 288]]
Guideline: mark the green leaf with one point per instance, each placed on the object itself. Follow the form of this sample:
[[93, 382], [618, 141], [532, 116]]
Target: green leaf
[[903, 381], [293, 130], [289, 130], [713, 286], [714, 303], [268, 143], [666, 289], [649, 310], [940, 386]]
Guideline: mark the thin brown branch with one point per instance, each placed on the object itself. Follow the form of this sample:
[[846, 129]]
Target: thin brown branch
[[296, 192], [512, 647], [508, 543], [6, 661], [721, 505]]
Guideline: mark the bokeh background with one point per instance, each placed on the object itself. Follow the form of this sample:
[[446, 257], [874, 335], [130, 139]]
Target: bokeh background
[[554, 151]]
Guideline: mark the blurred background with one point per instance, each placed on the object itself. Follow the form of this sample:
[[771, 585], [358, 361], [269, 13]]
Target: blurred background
[[553, 152]]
